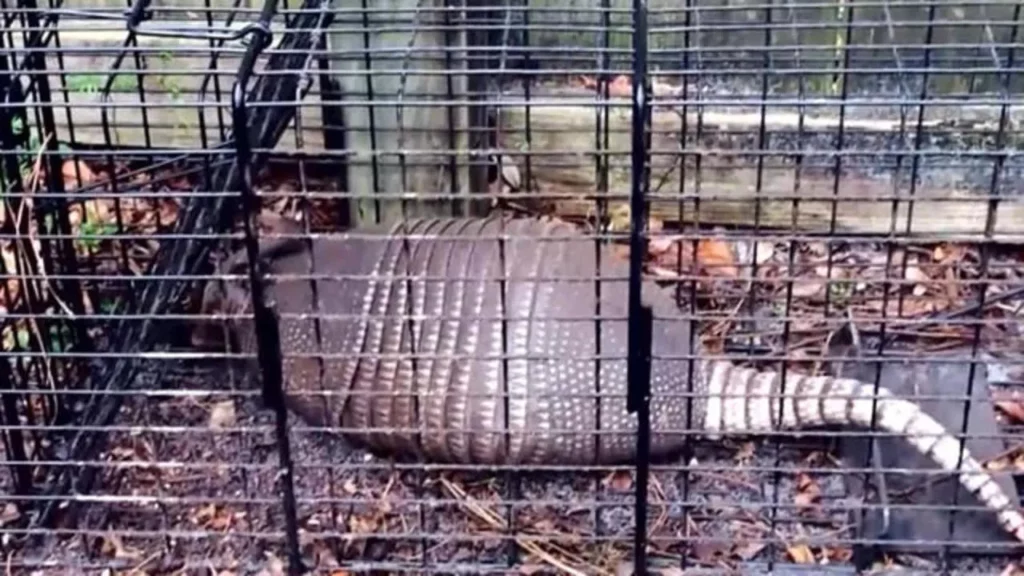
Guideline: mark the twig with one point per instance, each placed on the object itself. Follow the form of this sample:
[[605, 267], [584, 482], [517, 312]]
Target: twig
[[526, 542], [19, 218]]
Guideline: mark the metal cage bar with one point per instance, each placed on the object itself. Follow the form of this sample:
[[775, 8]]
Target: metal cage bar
[[823, 186]]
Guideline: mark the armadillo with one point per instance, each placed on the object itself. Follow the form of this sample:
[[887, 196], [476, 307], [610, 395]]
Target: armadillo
[[474, 341]]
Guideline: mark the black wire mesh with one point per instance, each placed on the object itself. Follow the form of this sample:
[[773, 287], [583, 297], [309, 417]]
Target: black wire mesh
[[819, 176]]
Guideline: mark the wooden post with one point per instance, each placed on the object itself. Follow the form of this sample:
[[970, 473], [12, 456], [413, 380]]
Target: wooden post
[[397, 65]]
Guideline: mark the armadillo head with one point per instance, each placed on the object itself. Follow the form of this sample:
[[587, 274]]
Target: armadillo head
[[222, 300]]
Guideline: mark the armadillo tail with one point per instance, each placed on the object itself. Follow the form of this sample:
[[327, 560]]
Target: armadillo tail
[[744, 400]]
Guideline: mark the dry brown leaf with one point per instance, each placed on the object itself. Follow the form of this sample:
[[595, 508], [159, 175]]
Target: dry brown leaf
[[618, 218], [800, 554], [9, 514], [619, 480], [362, 525], [919, 278], [948, 253], [544, 526], [710, 550], [717, 258], [75, 171], [808, 492], [748, 550], [808, 287], [842, 555], [745, 453], [349, 486], [221, 520], [222, 414], [213, 517], [114, 547], [659, 245], [1013, 409], [275, 566]]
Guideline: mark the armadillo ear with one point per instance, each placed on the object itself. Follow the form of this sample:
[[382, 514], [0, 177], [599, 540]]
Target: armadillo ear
[[843, 346]]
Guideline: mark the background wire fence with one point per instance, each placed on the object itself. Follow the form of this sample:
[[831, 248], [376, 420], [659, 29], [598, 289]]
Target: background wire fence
[[814, 166]]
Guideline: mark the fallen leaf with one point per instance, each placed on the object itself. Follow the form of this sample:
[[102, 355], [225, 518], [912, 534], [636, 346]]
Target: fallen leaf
[[659, 245], [948, 253], [349, 486], [544, 526], [618, 218], [717, 258], [748, 550], [806, 485], [213, 517], [808, 287], [620, 481], [800, 554], [222, 414], [919, 278], [745, 453], [114, 547], [842, 555], [275, 566], [710, 550], [1013, 409], [9, 514], [361, 525], [75, 171]]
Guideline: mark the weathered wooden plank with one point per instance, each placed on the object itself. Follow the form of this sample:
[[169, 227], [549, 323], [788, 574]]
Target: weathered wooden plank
[[562, 144]]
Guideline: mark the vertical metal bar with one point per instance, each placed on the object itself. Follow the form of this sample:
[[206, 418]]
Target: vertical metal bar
[[267, 334], [640, 323], [371, 111], [684, 128], [68, 288]]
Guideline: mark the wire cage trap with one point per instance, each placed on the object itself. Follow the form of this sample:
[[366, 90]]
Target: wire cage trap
[[822, 187]]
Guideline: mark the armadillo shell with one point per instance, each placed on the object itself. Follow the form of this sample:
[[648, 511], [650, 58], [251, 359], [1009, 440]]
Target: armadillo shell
[[437, 339]]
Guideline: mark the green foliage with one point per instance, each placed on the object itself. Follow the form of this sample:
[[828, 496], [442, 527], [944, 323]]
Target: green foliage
[[95, 83]]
